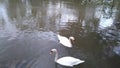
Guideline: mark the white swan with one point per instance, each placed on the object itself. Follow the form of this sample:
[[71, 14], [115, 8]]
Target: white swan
[[66, 61], [65, 41]]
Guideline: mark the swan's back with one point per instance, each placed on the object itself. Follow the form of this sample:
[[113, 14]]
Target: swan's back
[[65, 41], [69, 61]]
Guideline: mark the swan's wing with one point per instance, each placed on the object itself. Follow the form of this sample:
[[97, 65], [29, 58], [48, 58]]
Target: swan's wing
[[64, 62], [64, 41], [69, 61]]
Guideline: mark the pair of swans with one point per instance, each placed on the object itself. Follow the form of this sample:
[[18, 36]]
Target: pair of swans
[[68, 60]]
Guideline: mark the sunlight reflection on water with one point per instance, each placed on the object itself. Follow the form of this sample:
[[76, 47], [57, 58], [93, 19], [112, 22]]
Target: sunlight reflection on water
[[116, 49], [105, 22]]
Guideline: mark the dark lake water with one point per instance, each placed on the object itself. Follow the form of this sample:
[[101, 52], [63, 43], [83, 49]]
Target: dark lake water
[[29, 28]]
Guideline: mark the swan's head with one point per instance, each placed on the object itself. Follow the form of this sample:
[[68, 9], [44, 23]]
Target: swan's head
[[53, 51], [72, 38]]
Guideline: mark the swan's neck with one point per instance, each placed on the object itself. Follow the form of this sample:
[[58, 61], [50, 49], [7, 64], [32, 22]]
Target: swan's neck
[[70, 40], [56, 56]]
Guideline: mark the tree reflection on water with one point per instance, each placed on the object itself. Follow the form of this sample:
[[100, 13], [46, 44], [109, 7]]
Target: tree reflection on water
[[95, 24]]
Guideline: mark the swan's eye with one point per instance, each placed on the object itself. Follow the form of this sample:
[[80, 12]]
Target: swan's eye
[[51, 51]]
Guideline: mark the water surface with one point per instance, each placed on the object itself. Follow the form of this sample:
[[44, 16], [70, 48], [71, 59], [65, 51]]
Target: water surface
[[28, 30]]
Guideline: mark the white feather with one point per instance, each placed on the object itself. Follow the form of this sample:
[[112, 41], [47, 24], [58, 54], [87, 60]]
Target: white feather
[[64, 41], [69, 61]]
